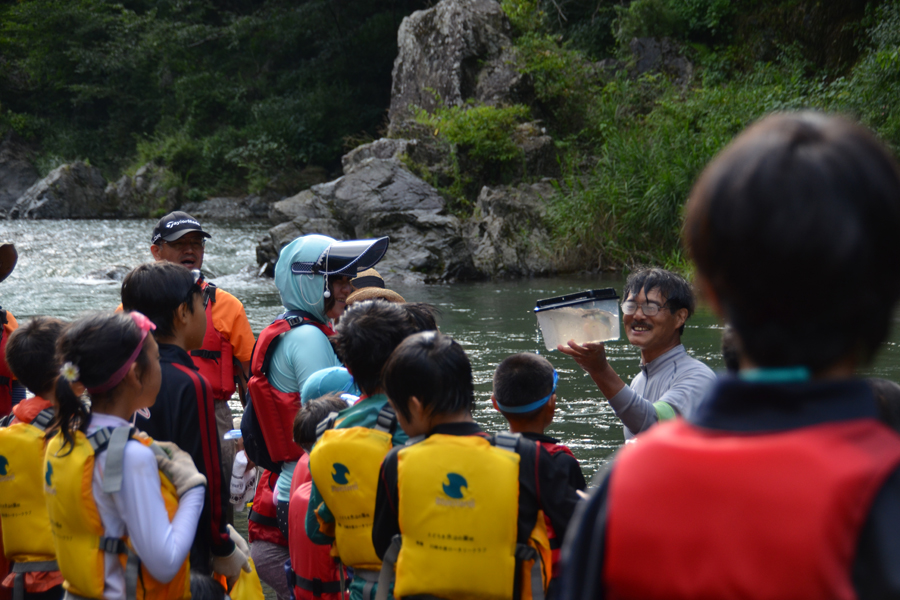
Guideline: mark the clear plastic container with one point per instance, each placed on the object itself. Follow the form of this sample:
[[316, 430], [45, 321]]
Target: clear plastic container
[[591, 316]]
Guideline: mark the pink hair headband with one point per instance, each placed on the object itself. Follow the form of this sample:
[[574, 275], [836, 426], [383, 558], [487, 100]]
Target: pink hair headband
[[146, 326]]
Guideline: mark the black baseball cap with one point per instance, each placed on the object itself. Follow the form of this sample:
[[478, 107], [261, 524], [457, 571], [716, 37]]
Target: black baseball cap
[[174, 225]]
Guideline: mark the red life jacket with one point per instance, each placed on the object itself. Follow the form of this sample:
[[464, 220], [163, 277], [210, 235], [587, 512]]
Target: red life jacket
[[263, 522], [215, 358], [301, 473], [555, 541], [6, 376], [314, 572], [275, 410], [701, 514]]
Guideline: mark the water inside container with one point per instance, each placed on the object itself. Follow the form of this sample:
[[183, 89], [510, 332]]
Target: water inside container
[[585, 323]]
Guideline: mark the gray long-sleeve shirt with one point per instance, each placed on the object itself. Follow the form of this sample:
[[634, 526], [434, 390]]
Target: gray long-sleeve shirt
[[672, 384]]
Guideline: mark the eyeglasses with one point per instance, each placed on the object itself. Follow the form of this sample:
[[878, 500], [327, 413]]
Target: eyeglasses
[[629, 307], [182, 245]]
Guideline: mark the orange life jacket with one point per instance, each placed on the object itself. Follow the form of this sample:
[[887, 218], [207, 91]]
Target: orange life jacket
[[6, 376], [275, 410], [215, 358], [263, 520], [769, 515], [314, 572]]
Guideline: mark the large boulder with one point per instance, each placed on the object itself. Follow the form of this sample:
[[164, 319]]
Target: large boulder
[[378, 197], [17, 174], [73, 191], [150, 191], [509, 235], [652, 55], [231, 209], [455, 51]]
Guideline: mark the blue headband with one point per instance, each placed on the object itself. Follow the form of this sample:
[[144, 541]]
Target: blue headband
[[534, 405]]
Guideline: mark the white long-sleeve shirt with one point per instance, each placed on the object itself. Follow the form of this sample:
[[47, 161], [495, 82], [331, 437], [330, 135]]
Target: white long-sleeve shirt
[[138, 511]]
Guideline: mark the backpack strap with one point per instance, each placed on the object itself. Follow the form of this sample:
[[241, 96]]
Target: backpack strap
[[506, 441], [386, 576]]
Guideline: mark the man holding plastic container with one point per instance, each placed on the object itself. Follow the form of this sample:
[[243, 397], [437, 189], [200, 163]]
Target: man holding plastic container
[[671, 383]]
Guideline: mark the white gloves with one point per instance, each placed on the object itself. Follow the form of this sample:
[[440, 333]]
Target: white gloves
[[230, 566], [179, 467]]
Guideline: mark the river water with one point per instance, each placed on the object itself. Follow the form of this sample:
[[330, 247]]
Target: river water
[[491, 320]]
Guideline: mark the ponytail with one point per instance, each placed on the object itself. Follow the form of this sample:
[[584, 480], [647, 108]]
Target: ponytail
[[93, 350]]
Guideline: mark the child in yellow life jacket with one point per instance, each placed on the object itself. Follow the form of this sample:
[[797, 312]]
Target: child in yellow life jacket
[[525, 394], [459, 512], [27, 541], [123, 510], [345, 460]]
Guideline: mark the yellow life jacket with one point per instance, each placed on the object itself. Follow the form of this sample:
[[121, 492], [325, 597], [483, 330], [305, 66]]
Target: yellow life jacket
[[76, 525], [26, 525], [458, 500], [344, 465]]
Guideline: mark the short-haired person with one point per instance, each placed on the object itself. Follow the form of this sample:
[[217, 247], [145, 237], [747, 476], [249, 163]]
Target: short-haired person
[[466, 504], [314, 572], [784, 484], [350, 453], [671, 382], [525, 394], [224, 356], [27, 539], [184, 412]]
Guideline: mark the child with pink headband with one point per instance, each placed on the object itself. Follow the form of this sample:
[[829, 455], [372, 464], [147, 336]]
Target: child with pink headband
[[124, 509]]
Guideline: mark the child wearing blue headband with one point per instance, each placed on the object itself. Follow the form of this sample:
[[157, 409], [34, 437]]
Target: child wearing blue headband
[[525, 394]]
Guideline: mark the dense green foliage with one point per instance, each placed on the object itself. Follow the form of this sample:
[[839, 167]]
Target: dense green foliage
[[237, 95], [227, 93]]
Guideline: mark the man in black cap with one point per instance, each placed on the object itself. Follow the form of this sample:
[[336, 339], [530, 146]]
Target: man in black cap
[[224, 358]]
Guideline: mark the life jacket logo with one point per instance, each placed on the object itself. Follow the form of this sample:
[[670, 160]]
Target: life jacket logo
[[453, 490], [49, 474], [339, 474], [3, 464]]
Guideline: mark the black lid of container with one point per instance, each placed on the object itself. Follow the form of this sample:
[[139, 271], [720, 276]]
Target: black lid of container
[[576, 299]]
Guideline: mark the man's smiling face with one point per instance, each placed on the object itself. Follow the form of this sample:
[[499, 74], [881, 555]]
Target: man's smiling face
[[659, 331], [186, 250]]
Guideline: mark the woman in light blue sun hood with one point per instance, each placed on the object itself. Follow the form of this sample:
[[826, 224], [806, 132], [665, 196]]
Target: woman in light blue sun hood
[[313, 276]]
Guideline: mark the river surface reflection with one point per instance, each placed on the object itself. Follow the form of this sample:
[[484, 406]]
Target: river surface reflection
[[491, 320]]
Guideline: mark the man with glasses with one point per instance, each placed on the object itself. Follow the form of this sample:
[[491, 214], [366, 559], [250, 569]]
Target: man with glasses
[[224, 357], [657, 305]]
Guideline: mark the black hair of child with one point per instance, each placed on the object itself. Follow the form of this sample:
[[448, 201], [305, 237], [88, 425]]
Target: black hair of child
[[673, 287], [433, 368], [311, 414], [204, 587], [521, 379], [97, 345], [887, 396], [31, 354], [423, 315], [809, 204], [367, 334], [731, 354], [157, 289]]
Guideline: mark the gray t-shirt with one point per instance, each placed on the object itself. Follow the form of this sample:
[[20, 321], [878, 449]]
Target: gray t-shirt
[[671, 384]]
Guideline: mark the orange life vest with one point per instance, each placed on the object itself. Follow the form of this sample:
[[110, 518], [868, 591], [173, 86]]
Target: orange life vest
[[215, 358], [6, 376], [314, 572], [275, 410], [770, 515], [263, 522]]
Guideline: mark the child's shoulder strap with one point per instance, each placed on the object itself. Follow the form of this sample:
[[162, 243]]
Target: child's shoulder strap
[[113, 440], [506, 441]]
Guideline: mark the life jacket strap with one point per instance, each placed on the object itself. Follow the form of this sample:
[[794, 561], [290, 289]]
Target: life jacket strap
[[525, 552], [113, 545], [43, 419], [207, 354], [113, 440], [386, 420], [386, 577], [325, 424], [20, 568], [506, 441], [262, 519], [315, 585]]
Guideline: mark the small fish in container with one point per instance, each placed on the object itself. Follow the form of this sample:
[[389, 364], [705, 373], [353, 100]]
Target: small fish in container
[[591, 316]]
